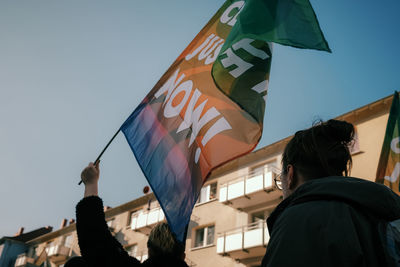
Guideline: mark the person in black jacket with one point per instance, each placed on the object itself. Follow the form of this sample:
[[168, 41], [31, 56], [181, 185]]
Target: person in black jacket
[[99, 248], [327, 218]]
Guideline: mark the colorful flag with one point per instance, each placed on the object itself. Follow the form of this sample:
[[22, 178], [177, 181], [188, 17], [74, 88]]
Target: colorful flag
[[187, 125], [388, 171]]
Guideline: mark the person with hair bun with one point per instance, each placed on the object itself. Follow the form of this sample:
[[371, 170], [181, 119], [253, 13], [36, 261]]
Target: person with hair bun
[[327, 218]]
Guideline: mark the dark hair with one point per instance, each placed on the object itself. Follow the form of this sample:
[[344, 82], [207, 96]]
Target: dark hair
[[163, 242], [320, 151]]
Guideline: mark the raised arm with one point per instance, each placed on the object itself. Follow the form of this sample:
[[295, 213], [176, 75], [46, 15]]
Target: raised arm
[[98, 247]]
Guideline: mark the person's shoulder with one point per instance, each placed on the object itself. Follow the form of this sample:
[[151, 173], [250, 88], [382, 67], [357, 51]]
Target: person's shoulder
[[314, 212]]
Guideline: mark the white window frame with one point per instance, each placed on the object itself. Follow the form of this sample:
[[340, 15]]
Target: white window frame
[[133, 219], [206, 191], [205, 233], [68, 241]]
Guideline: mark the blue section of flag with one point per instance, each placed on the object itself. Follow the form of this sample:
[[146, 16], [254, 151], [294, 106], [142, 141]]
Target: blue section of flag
[[164, 165]]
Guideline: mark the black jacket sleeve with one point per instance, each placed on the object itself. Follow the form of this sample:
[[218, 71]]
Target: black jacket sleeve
[[98, 247]]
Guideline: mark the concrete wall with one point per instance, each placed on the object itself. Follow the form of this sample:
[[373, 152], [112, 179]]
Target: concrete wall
[[370, 134]]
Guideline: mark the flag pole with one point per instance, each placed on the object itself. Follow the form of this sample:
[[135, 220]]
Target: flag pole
[[104, 149]]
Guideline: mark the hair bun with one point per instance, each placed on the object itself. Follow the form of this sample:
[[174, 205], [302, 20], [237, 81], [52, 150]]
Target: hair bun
[[340, 131]]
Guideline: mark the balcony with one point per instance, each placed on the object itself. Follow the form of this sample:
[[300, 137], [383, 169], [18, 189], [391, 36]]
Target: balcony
[[24, 261], [140, 256], [57, 253], [245, 242], [250, 190], [143, 221]]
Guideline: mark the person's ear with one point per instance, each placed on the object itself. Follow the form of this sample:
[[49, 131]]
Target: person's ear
[[291, 178]]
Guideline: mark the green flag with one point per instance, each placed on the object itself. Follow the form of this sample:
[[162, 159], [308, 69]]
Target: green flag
[[388, 171], [241, 70]]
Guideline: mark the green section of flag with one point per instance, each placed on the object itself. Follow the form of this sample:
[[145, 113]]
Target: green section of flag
[[287, 22], [242, 68], [388, 158]]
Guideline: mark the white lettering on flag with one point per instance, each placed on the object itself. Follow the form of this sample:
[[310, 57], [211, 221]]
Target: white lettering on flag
[[169, 85], [207, 51], [261, 87], [394, 145], [173, 87], [233, 60], [395, 174], [172, 111], [190, 110], [213, 43], [245, 43], [198, 49], [231, 20]]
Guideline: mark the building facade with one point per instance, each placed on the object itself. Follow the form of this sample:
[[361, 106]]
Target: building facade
[[227, 227], [13, 246]]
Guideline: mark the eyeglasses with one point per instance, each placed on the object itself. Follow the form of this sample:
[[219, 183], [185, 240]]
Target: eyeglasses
[[278, 182]]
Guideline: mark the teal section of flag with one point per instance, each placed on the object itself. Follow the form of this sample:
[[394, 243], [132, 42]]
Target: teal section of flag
[[242, 68], [286, 22]]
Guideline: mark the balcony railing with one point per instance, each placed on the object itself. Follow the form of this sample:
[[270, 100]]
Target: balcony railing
[[245, 242], [140, 256], [144, 219], [24, 261], [57, 253], [250, 189]]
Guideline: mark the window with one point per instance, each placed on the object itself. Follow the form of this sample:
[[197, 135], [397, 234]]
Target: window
[[51, 248], [204, 236], [68, 241], [134, 217], [207, 193], [110, 223], [258, 216], [21, 260], [32, 252], [132, 250]]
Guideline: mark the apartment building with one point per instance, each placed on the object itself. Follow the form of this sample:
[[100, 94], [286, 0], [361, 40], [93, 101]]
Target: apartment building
[[227, 227], [12, 246]]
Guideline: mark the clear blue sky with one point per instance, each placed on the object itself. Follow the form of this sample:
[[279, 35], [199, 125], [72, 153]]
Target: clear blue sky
[[72, 71]]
